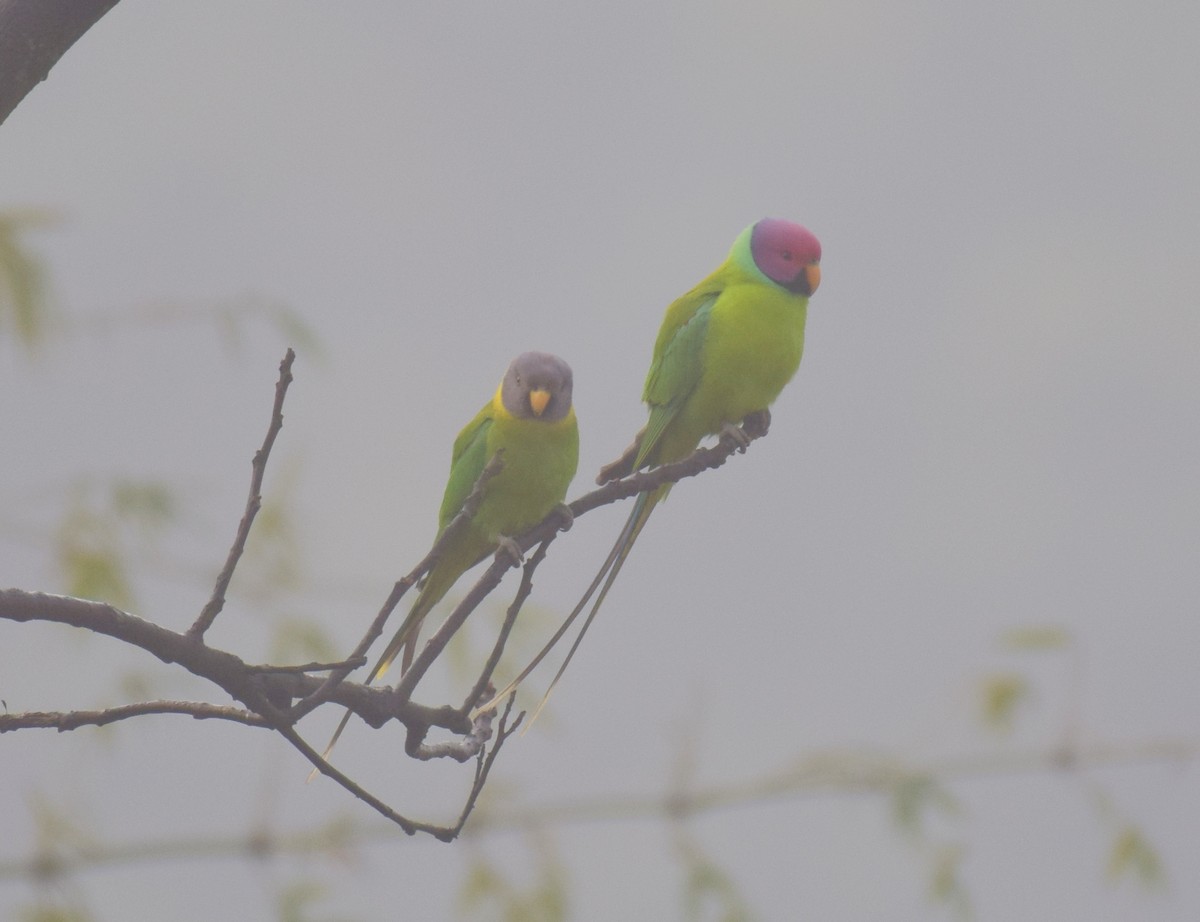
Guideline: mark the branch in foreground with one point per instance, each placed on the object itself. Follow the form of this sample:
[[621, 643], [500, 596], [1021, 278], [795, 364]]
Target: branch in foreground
[[242, 681], [34, 34], [270, 693]]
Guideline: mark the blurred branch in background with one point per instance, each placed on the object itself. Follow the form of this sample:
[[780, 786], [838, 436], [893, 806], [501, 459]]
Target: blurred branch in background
[[911, 791], [28, 316], [109, 530], [229, 318], [24, 306]]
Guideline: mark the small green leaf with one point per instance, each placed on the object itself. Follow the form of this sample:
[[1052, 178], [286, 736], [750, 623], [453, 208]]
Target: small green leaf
[[1037, 638], [708, 885], [1001, 696], [487, 891], [296, 898], [545, 903], [136, 685], [54, 914], [299, 640], [1133, 856], [23, 301], [296, 331], [945, 886], [481, 885], [97, 574], [58, 830], [148, 505], [913, 795]]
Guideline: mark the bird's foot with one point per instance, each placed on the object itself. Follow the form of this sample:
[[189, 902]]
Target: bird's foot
[[740, 440], [566, 518], [757, 424], [507, 547]]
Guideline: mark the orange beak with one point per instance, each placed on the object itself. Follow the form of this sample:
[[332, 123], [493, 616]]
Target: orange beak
[[538, 400], [812, 274]]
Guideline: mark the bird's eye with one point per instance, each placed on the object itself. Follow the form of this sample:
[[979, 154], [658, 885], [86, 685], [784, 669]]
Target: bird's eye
[[787, 255]]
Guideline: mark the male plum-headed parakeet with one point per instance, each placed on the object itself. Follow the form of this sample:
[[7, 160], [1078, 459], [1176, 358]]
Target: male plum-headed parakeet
[[531, 421], [725, 351]]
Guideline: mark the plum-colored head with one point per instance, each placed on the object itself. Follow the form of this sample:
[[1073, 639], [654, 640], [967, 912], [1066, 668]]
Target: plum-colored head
[[786, 253]]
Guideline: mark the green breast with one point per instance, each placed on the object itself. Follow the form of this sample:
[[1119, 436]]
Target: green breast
[[753, 348], [539, 463]]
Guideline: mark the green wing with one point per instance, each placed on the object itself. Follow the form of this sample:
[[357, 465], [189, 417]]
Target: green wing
[[467, 463], [677, 365]]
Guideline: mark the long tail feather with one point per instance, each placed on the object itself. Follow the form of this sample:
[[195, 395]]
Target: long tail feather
[[406, 637], [606, 575], [562, 629], [645, 505], [332, 742]]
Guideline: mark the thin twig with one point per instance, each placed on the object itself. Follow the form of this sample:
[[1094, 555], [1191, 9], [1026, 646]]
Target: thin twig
[[510, 618], [484, 766], [289, 733], [253, 503], [73, 720]]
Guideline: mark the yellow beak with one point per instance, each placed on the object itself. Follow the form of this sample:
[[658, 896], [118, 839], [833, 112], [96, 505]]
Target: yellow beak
[[538, 400], [812, 274]]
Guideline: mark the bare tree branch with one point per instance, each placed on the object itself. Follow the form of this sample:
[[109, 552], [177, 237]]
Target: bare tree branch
[[289, 733], [34, 34], [484, 767], [276, 697], [483, 689], [253, 503], [242, 681]]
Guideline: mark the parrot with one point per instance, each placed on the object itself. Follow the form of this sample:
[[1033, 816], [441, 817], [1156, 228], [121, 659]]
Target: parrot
[[531, 421], [725, 351]]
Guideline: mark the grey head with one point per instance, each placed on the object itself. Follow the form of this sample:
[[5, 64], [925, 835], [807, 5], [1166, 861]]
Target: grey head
[[537, 385]]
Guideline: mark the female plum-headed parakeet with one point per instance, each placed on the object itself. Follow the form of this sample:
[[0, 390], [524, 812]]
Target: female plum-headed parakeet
[[531, 421], [725, 351]]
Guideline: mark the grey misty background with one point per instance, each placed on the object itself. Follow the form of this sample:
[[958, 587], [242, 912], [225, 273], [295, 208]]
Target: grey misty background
[[995, 425]]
